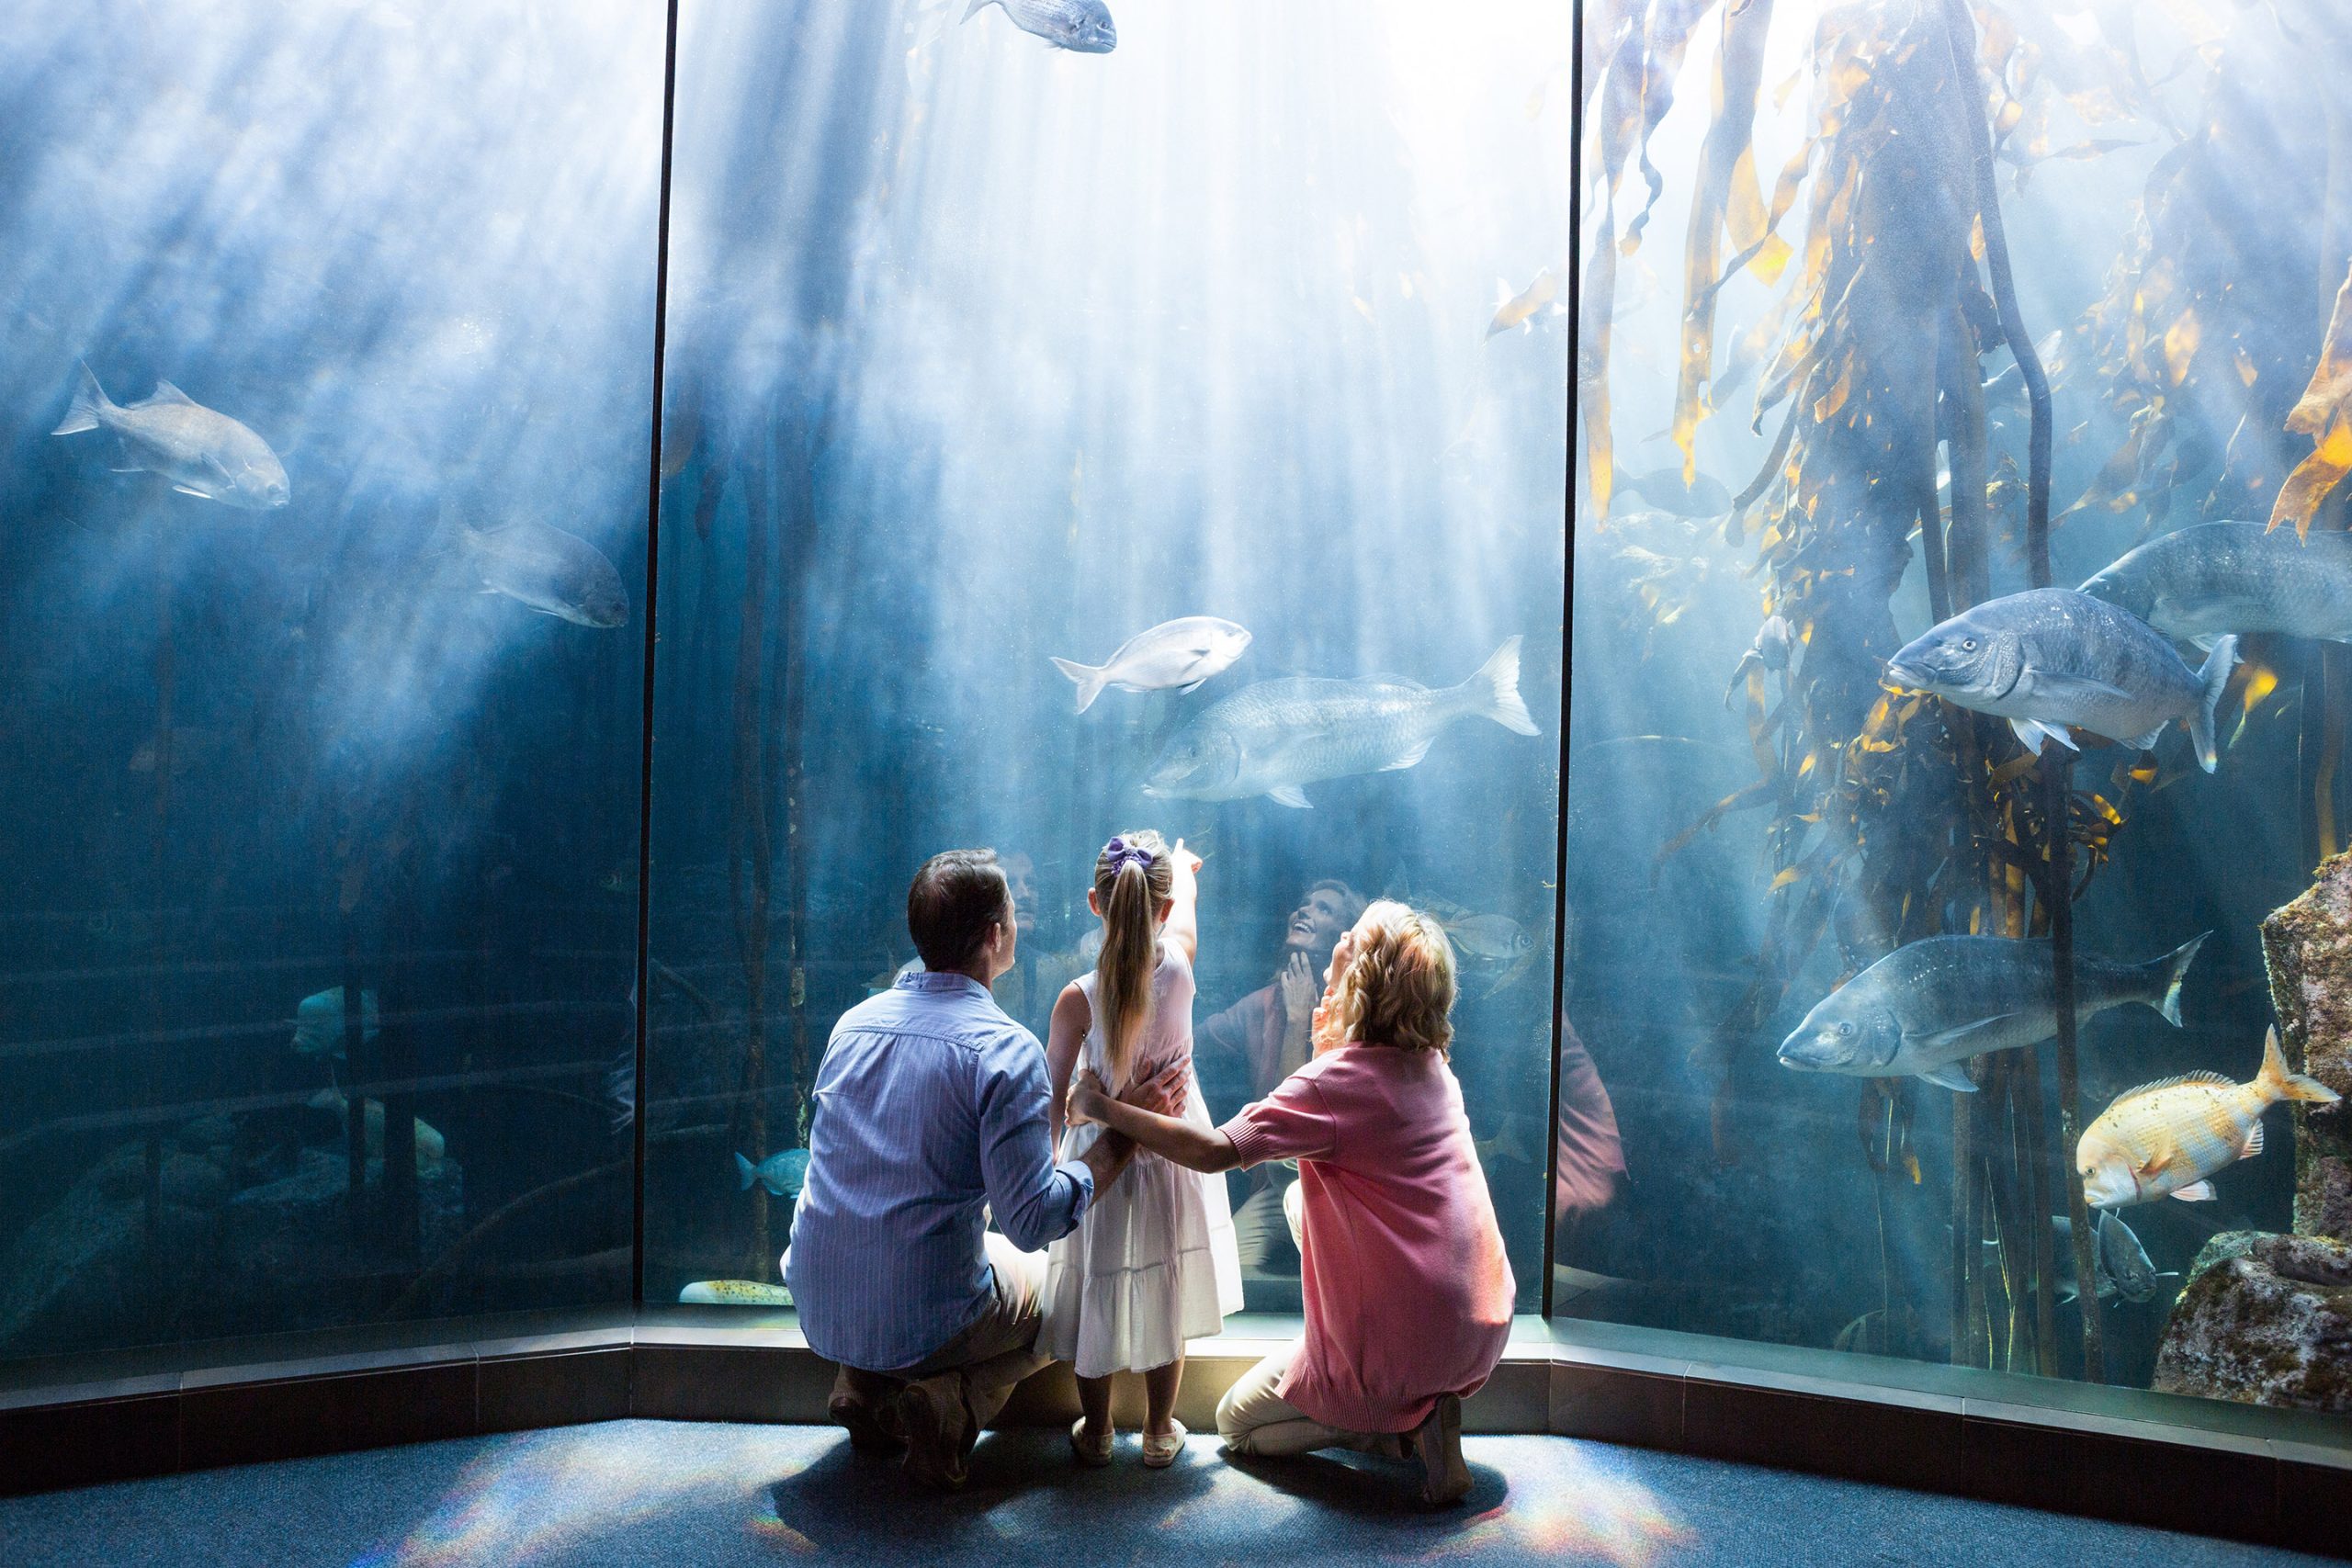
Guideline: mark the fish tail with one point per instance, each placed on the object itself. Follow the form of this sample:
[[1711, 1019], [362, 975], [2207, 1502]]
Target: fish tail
[[2275, 1082], [1088, 678], [746, 1172], [1493, 690], [976, 7], [2171, 971], [2213, 677], [89, 402]]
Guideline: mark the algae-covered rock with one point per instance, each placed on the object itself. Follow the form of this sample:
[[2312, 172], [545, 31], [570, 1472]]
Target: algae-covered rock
[[2307, 946], [83, 1273], [2264, 1320]]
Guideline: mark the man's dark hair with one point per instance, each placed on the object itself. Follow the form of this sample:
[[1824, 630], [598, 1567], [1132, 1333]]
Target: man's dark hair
[[956, 897]]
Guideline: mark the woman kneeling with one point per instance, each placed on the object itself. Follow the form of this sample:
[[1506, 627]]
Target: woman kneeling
[[1407, 1293]]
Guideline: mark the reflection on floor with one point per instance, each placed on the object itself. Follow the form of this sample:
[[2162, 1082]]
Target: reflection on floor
[[635, 1492]]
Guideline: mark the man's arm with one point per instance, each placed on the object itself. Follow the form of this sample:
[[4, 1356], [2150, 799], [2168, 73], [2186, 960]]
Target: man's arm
[[1036, 1200]]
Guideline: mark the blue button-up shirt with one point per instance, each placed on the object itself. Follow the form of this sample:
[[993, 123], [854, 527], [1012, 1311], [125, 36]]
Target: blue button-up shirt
[[929, 1103]]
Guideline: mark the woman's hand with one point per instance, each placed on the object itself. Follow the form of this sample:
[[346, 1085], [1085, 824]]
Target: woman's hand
[[1343, 952], [1163, 1095], [1086, 1099], [1298, 991]]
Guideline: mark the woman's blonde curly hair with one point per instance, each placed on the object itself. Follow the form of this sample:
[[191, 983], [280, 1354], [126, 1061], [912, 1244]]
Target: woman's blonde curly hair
[[1398, 987]]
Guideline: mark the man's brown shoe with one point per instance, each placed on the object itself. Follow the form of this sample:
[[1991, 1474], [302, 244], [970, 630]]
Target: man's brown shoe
[[932, 1414], [869, 1431]]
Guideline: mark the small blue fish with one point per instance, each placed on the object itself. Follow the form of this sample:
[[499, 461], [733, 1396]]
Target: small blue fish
[[781, 1174]]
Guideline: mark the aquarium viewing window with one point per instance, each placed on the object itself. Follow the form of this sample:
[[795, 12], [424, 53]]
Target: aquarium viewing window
[[525, 524]]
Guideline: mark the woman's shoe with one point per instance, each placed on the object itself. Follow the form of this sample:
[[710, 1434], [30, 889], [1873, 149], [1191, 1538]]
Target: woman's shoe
[[1161, 1451], [1093, 1453], [1437, 1443]]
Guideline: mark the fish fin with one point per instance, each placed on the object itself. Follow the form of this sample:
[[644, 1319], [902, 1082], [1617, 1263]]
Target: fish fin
[[166, 392], [2075, 688], [1088, 679], [1410, 757], [2174, 967], [82, 413], [2067, 1291], [2214, 677], [1966, 1039], [2029, 734], [2276, 1082], [2146, 742], [2205, 643], [1186, 690], [1292, 796], [746, 1172], [2196, 1192], [191, 489], [976, 7], [1495, 690], [2253, 1142], [127, 469], [1952, 1075]]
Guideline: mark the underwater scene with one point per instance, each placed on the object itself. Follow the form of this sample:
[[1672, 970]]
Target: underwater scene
[[325, 425], [1082, 418], [1961, 601]]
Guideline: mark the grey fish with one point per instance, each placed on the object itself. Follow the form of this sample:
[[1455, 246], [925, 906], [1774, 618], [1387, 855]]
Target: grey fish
[[318, 1022], [2052, 656], [1931, 1004], [1271, 737], [2203, 581], [781, 1173], [1664, 489], [1776, 642], [1082, 27], [202, 452], [1177, 655], [554, 573], [2122, 1266]]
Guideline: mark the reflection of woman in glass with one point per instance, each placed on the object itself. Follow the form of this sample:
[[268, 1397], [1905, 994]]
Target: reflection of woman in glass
[[1408, 1291], [1152, 1263]]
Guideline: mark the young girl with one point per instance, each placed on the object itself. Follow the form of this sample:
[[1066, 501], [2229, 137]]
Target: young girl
[[1153, 1263]]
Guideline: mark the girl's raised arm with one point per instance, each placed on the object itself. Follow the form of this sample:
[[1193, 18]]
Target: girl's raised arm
[[1065, 1037], [1183, 927]]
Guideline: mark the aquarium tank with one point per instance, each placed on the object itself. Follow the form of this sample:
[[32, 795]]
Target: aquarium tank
[[1961, 595]]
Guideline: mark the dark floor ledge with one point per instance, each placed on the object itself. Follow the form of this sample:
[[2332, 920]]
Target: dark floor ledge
[[2267, 1476]]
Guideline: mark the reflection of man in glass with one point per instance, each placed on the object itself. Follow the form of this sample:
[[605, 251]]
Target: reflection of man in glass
[[1263, 1038], [1027, 990]]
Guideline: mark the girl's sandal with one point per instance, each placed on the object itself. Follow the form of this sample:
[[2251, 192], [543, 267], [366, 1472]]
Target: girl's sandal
[[1094, 1455], [1159, 1452]]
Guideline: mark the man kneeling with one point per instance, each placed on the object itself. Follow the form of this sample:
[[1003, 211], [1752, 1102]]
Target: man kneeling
[[931, 1105]]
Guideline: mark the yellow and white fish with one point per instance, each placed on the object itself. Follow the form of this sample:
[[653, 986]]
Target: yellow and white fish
[[1521, 309], [734, 1292], [2163, 1139]]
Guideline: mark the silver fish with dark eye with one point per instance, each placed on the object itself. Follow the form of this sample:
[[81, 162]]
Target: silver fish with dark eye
[[551, 571], [2204, 582], [2053, 657], [2121, 1265], [1271, 737], [1931, 1005], [1176, 655], [202, 451], [1082, 27]]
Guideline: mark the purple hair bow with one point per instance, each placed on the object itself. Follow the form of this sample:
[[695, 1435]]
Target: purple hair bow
[[1122, 852]]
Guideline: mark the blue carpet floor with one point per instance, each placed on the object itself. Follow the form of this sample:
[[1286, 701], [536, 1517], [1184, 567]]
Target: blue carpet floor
[[642, 1492]]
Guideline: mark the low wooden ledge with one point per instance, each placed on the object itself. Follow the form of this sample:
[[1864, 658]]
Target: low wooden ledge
[[2266, 1476]]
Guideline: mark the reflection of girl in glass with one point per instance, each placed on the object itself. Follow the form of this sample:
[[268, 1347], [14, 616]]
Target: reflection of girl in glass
[[1153, 1263]]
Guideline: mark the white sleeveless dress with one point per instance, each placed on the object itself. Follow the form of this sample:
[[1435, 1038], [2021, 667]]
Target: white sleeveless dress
[[1153, 1263]]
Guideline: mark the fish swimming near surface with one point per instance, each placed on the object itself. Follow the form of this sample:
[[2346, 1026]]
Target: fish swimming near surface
[[318, 1022], [2204, 582], [202, 452], [1272, 738], [551, 571], [1172, 656], [1082, 27], [2166, 1139], [2053, 657], [781, 1173], [733, 1294], [1664, 489], [1521, 309], [1931, 1004]]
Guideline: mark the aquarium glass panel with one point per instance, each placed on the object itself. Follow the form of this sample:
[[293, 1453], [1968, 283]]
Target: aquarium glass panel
[[1874, 707], [324, 671], [991, 352]]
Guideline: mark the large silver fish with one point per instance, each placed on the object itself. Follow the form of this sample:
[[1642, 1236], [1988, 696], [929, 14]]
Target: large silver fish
[[202, 452], [2121, 1264], [1271, 737], [2203, 581], [1174, 655], [554, 573], [1931, 1005], [2053, 656], [1083, 27]]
